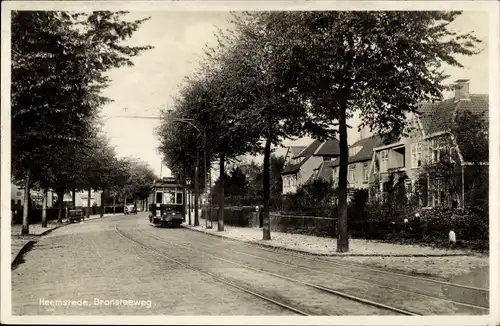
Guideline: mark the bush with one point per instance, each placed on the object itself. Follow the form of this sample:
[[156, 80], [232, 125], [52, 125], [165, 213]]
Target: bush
[[438, 222], [319, 226], [242, 216], [35, 215]]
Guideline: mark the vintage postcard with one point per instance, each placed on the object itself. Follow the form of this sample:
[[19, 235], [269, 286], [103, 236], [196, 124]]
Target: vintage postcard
[[250, 162]]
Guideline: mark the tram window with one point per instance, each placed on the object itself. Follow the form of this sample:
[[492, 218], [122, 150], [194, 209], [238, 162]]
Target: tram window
[[159, 197], [169, 198], [179, 198]]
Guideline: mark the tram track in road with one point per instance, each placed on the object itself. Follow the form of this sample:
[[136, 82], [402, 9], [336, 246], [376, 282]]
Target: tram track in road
[[288, 294], [327, 290], [445, 303], [336, 262], [219, 279]]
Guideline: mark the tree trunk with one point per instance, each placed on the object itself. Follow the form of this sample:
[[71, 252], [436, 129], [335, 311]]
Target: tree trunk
[[102, 203], [210, 194], [342, 235], [189, 207], [266, 225], [114, 205], [60, 199], [25, 229], [88, 203], [44, 207], [220, 217], [184, 195], [73, 198], [196, 192]]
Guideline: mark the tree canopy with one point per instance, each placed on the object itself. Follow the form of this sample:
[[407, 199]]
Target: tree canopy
[[279, 75]]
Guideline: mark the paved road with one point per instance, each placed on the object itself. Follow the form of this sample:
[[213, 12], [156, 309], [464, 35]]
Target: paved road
[[121, 265]]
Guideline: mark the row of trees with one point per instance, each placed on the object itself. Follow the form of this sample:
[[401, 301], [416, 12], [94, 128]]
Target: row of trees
[[281, 75], [243, 183], [59, 66]]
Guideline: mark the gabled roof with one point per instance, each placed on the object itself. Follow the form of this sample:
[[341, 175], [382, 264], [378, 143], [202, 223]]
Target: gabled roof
[[366, 151], [309, 150], [324, 173], [329, 148], [295, 150], [293, 168], [437, 117]]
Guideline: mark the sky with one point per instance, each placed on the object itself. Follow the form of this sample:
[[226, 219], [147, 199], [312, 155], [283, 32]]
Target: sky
[[179, 39]]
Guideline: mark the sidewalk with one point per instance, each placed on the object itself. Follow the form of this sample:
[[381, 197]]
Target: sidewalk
[[325, 246], [407, 258], [20, 243]]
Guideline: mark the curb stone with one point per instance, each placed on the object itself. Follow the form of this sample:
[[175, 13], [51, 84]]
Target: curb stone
[[25, 248], [326, 255], [28, 245]]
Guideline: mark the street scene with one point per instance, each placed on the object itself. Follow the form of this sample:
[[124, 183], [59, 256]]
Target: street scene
[[260, 163]]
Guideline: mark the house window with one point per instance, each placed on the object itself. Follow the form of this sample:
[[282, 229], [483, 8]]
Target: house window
[[437, 149], [12, 202], [384, 160], [352, 173], [365, 172], [19, 201], [416, 155], [18, 193]]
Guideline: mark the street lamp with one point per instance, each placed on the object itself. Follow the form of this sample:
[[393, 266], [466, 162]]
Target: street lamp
[[204, 137]]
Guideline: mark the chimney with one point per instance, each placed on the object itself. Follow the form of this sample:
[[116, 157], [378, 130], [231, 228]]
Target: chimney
[[462, 90], [362, 133]]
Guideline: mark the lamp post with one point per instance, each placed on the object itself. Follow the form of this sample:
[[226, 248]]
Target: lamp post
[[201, 134]]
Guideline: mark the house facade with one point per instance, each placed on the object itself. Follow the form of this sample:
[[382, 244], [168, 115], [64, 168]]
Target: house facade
[[403, 162], [17, 197], [81, 198], [307, 165], [358, 166]]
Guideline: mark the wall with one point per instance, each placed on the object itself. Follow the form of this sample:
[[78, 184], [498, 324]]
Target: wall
[[359, 175], [307, 169]]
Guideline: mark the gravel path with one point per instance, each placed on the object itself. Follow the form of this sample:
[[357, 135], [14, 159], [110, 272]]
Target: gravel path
[[441, 263]]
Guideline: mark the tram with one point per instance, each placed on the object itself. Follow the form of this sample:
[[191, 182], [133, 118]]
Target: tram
[[167, 198]]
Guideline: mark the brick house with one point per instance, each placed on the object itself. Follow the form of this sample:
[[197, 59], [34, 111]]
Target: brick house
[[403, 160], [307, 164]]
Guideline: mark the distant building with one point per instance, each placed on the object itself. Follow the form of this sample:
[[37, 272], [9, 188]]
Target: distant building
[[81, 198], [306, 165], [17, 197], [358, 163]]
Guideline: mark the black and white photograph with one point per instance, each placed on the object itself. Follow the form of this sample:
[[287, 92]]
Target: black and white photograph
[[218, 162]]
